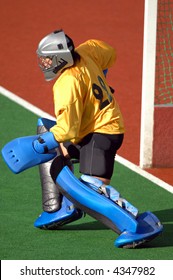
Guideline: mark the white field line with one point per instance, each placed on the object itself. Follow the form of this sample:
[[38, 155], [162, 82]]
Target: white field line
[[119, 159], [144, 173]]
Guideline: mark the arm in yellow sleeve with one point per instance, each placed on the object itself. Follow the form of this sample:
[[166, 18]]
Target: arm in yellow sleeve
[[68, 109]]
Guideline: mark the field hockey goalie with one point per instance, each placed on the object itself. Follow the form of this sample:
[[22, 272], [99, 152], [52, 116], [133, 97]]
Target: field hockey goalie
[[65, 198]]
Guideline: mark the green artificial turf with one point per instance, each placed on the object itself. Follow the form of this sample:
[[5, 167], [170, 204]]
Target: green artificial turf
[[20, 200]]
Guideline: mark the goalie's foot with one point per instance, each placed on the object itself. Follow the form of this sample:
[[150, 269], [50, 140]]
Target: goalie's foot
[[148, 228], [67, 214]]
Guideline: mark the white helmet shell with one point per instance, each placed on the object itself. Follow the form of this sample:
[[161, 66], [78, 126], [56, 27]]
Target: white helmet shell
[[54, 54]]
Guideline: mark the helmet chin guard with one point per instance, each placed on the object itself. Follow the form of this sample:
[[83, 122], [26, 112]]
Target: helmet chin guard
[[54, 54]]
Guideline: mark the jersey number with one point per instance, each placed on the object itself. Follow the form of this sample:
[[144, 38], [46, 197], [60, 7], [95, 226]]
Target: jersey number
[[98, 91]]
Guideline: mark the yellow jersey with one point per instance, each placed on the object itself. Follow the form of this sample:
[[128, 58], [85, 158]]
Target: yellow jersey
[[82, 98]]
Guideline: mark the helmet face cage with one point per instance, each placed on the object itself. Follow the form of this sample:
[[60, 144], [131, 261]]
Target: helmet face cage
[[54, 54]]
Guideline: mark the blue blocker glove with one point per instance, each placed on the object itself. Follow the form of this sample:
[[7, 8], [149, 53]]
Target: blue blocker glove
[[45, 143], [25, 152]]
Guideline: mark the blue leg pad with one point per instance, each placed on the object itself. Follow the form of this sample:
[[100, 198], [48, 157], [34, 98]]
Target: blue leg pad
[[109, 192], [98, 206], [133, 230], [67, 214]]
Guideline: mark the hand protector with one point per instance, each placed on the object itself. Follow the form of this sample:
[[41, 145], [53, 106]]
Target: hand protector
[[45, 143], [25, 152]]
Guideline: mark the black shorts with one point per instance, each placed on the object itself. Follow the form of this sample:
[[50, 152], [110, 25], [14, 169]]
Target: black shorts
[[96, 153]]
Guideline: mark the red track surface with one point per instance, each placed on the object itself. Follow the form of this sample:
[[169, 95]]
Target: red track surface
[[120, 23]]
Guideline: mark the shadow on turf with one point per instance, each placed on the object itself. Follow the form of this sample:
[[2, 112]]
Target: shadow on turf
[[94, 225], [164, 240]]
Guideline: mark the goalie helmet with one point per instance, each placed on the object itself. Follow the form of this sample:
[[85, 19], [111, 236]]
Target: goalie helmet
[[55, 54]]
